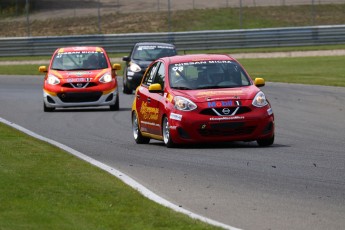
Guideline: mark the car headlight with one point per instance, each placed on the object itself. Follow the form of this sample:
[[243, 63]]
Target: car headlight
[[53, 80], [259, 100], [184, 104], [134, 67], [106, 78]]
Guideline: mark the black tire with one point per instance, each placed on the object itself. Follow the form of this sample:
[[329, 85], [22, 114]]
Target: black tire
[[125, 88], [47, 109], [166, 133], [116, 106], [138, 137], [265, 142]]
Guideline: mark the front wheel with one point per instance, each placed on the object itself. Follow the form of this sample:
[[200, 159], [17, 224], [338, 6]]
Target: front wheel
[[116, 106], [166, 133], [138, 137], [265, 142], [125, 88], [47, 109]]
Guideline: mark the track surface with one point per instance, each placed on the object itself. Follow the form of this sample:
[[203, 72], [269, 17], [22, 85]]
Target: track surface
[[298, 183]]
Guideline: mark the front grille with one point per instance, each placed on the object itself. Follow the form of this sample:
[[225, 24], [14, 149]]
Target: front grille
[[225, 111], [79, 97], [79, 85], [226, 129]]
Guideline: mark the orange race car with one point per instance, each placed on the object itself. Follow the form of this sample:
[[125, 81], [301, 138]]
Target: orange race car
[[79, 77]]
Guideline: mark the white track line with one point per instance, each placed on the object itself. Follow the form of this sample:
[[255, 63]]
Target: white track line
[[123, 177]]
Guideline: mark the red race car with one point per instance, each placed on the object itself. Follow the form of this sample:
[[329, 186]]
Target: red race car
[[201, 98], [78, 77]]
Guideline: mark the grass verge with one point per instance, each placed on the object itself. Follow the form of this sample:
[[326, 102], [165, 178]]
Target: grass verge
[[303, 70], [43, 187]]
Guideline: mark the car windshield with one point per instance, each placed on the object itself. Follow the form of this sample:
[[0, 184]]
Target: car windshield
[[207, 75], [153, 52], [79, 60]]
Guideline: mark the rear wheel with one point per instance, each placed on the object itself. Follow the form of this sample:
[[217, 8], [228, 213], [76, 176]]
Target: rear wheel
[[166, 133], [47, 109], [138, 137], [265, 142]]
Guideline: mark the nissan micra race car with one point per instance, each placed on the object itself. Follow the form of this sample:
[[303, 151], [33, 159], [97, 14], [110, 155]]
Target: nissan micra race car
[[140, 57], [201, 98], [79, 77]]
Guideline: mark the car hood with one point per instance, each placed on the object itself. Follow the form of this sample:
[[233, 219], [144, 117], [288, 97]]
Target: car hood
[[241, 93], [142, 63]]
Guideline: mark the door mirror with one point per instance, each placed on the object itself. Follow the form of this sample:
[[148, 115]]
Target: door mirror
[[42, 69], [259, 82], [155, 88]]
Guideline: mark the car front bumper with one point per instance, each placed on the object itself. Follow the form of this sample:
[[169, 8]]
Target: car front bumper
[[201, 128], [80, 99]]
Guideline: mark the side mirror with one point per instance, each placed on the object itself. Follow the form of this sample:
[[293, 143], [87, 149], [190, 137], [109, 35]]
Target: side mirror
[[43, 69], [116, 66], [155, 88], [126, 59], [259, 82]]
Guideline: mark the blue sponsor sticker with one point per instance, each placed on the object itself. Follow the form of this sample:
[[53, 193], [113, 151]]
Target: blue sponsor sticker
[[214, 104]]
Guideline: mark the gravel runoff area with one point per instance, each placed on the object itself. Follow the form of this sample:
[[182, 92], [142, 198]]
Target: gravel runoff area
[[340, 52]]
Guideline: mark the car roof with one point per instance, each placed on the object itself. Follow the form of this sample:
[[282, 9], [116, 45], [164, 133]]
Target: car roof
[[154, 43], [198, 57], [80, 48]]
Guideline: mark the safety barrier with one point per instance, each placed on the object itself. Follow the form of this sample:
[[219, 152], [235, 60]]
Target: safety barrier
[[184, 41]]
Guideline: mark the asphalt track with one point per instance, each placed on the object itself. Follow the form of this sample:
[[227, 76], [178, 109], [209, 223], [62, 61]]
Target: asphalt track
[[298, 183]]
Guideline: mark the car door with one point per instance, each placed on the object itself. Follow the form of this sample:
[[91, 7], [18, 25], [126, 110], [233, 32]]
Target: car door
[[157, 100], [146, 108]]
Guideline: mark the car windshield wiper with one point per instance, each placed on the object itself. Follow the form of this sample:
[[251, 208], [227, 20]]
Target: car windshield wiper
[[215, 87], [181, 87], [77, 69], [209, 87], [59, 69]]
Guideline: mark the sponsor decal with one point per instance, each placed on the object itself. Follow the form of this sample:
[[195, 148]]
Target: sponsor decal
[[226, 118], [219, 104], [150, 123], [154, 47], [170, 97], [173, 127], [208, 94], [201, 62], [79, 73], [71, 80], [175, 116], [148, 113]]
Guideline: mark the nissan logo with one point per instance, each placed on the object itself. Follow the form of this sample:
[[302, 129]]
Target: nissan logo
[[226, 111]]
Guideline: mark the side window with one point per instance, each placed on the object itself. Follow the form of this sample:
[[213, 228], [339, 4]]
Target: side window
[[160, 76], [149, 76]]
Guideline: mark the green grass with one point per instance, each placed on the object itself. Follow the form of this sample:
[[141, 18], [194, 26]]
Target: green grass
[[258, 17], [19, 69], [43, 187], [304, 70]]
